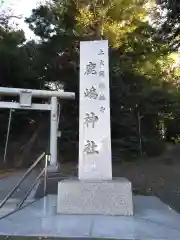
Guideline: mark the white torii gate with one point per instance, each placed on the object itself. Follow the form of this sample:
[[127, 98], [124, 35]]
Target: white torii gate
[[25, 103]]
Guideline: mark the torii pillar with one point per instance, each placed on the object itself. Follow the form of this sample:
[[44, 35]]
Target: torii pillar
[[25, 102]]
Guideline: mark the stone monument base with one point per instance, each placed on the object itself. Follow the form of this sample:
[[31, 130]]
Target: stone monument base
[[111, 197]]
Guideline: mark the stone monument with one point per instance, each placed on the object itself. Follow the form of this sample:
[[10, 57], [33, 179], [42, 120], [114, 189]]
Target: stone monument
[[95, 192], [94, 126]]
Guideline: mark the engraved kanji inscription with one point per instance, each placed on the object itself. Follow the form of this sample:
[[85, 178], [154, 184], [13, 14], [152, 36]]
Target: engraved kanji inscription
[[102, 85], [101, 52], [91, 69], [91, 93], [101, 63], [91, 147], [101, 74], [102, 96], [102, 109], [90, 118]]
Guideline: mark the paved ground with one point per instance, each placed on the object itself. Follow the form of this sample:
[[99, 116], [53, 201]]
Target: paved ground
[[152, 220], [7, 183], [47, 238]]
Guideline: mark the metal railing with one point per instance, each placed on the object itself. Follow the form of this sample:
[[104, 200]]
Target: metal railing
[[44, 171]]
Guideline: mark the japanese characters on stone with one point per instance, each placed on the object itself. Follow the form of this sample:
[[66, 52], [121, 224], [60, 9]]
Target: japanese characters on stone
[[101, 52], [102, 109], [91, 69], [91, 147], [94, 126], [101, 65], [92, 93], [90, 119]]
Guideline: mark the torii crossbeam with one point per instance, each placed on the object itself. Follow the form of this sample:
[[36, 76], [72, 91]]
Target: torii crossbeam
[[25, 102]]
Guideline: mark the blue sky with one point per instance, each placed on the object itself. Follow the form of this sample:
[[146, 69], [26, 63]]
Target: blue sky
[[24, 8]]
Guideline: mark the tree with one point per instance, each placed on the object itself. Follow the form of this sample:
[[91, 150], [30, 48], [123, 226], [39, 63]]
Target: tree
[[19, 67], [133, 45], [6, 15], [170, 26], [17, 57]]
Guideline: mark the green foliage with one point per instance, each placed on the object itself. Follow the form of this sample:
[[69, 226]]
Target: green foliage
[[134, 45], [170, 26], [17, 62], [143, 71]]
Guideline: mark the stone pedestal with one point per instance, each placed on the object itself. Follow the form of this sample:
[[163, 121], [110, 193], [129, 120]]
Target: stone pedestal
[[113, 197]]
